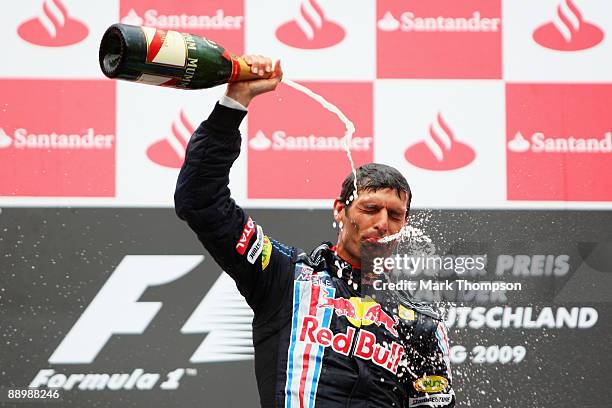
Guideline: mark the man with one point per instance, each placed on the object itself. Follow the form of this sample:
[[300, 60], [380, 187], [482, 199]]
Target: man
[[318, 341]]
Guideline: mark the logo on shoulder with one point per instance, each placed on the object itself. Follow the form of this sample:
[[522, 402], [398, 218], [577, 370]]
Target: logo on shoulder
[[245, 237], [266, 253], [434, 383], [405, 313], [303, 272], [257, 247]]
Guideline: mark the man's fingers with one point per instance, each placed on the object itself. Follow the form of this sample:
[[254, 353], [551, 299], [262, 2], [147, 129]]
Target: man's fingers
[[252, 61], [259, 64], [267, 63], [278, 70], [264, 65]]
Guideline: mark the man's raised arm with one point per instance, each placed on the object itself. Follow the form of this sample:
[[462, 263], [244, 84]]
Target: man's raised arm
[[202, 196]]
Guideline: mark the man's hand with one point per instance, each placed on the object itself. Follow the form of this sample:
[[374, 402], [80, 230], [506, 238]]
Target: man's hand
[[244, 91]]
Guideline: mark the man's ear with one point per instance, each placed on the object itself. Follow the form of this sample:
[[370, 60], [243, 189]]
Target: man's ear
[[338, 208]]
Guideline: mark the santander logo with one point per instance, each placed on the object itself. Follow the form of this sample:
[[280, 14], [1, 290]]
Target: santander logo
[[260, 142], [132, 18], [409, 21], [170, 151], [89, 140], [568, 31], [539, 142], [388, 23], [310, 29], [53, 27], [5, 140], [154, 18], [519, 144], [440, 150], [281, 141]]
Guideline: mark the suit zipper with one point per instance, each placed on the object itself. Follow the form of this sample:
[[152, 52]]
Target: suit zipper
[[352, 355]]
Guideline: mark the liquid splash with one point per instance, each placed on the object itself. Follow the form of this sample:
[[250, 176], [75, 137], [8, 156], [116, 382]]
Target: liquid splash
[[350, 127], [410, 233]]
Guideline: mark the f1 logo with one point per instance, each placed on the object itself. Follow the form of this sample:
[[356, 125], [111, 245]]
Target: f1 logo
[[116, 310]]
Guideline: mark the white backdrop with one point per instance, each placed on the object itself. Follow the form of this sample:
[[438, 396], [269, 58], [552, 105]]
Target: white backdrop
[[488, 68]]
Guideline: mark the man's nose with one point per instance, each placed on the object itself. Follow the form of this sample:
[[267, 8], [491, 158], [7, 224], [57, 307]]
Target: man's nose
[[382, 222]]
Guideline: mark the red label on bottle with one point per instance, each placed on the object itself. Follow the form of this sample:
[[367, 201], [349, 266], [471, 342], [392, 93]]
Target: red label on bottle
[[165, 47]]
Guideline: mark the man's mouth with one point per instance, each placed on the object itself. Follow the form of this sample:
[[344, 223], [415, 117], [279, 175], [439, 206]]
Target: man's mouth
[[373, 240]]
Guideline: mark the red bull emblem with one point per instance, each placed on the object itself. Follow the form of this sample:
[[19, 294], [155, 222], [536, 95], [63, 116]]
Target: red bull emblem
[[379, 317], [382, 356], [366, 346], [361, 313], [342, 306], [312, 333]]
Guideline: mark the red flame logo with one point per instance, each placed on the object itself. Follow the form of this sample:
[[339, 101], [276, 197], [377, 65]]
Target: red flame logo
[[440, 150], [310, 29], [54, 27], [170, 151], [568, 31]]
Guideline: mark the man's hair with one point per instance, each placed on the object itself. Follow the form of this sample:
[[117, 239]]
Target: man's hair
[[373, 177]]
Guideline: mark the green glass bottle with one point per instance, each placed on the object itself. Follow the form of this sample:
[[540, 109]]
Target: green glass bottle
[[168, 58]]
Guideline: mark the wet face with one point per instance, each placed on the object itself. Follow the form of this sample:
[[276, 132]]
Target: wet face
[[374, 215]]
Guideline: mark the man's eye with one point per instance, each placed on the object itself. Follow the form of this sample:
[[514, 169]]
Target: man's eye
[[396, 216]]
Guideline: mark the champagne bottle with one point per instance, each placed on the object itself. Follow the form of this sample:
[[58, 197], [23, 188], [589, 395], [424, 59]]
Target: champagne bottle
[[168, 58]]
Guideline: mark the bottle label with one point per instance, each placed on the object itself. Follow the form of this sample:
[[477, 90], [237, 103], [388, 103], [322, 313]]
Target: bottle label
[[156, 80], [165, 47], [185, 61], [235, 66]]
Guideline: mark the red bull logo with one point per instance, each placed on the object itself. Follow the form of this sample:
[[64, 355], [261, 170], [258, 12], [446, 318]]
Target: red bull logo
[[361, 313], [366, 346], [382, 356], [342, 306], [339, 342], [379, 317]]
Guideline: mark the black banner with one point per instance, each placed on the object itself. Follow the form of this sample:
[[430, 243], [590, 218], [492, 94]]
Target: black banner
[[123, 307]]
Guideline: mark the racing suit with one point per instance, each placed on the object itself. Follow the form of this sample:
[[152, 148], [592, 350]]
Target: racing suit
[[317, 340]]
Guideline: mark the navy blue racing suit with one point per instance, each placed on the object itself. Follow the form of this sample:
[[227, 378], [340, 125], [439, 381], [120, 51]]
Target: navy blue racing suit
[[318, 341]]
